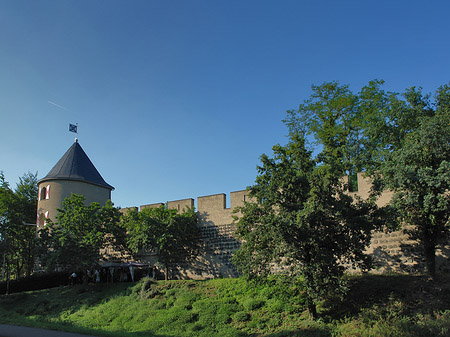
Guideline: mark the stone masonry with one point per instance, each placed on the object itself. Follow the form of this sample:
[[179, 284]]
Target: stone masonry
[[392, 251]]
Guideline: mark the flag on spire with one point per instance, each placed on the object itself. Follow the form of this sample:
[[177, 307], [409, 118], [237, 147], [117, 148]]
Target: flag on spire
[[73, 128]]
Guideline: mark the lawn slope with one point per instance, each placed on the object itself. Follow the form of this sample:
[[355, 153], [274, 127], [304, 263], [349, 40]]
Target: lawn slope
[[394, 305]]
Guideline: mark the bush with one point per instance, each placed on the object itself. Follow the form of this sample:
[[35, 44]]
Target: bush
[[253, 303], [214, 312], [241, 316], [36, 282], [275, 305], [147, 288], [185, 299]]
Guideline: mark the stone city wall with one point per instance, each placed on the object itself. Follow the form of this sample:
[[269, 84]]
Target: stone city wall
[[392, 251]]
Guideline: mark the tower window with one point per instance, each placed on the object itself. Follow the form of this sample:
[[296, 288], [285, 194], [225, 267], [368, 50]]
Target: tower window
[[45, 193], [42, 221]]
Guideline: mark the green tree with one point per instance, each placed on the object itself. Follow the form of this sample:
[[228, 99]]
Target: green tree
[[400, 141], [8, 222], [78, 235], [173, 236], [26, 193], [17, 225], [415, 164], [302, 222], [331, 115], [116, 235]]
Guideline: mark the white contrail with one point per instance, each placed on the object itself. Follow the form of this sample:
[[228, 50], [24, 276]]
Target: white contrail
[[59, 106]]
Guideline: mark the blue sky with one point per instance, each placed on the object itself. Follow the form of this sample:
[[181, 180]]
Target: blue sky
[[178, 99]]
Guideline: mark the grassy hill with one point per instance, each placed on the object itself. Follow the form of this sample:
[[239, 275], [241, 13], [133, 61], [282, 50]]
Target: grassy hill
[[391, 305]]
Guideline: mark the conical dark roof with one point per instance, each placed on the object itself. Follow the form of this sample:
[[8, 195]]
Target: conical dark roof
[[76, 165]]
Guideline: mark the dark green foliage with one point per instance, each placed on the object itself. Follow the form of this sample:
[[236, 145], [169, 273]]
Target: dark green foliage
[[409, 148], [253, 303], [116, 235], [148, 288], [27, 193], [78, 235], [419, 173], [241, 316], [17, 230], [173, 236], [275, 305], [331, 116], [302, 222], [36, 282], [214, 312]]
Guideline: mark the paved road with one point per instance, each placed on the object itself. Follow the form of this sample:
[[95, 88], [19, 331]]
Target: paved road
[[21, 331]]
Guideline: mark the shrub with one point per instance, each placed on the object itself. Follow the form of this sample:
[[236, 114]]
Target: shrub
[[275, 305], [214, 312], [186, 299], [253, 303], [147, 288], [36, 282], [171, 292], [196, 327], [241, 316]]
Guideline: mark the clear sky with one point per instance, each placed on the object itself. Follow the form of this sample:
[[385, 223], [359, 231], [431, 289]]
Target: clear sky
[[178, 99]]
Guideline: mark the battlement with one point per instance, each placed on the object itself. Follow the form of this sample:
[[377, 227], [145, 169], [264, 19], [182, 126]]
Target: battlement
[[205, 204], [364, 187], [217, 203]]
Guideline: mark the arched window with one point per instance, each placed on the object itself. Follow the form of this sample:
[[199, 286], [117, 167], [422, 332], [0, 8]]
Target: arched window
[[44, 193], [42, 219]]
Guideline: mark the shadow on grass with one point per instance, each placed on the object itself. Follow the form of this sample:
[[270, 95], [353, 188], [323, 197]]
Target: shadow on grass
[[50, 303], [287, 333], [43, 309], [414, 293], [308, 332]]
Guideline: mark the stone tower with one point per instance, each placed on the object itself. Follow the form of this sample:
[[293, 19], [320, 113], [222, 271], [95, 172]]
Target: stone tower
[[73, 173]]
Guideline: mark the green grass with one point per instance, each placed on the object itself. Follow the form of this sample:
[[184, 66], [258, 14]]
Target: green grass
[[390, 305]]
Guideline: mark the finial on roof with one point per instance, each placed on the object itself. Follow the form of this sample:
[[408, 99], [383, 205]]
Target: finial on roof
[[76, 140]]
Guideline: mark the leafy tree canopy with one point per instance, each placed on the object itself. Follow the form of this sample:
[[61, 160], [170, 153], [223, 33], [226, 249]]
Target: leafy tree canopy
[[17, 219], [304, 215], [173, 236], [416, 166], [78, 235], [302, 222]]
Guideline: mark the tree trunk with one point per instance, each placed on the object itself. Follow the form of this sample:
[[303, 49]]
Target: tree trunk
[[166, 272], [430, 258], [30, 262]]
